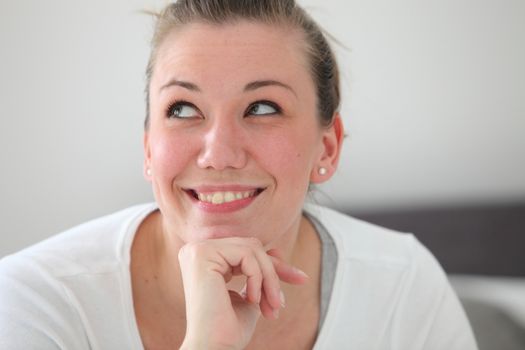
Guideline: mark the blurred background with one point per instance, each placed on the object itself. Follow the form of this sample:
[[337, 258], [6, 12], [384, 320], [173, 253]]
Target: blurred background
[[433, 104]]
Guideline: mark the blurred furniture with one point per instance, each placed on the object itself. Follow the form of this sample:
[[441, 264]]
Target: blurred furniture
[[482, 248]]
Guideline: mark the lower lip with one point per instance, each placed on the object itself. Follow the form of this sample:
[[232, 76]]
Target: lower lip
[[224, 207]]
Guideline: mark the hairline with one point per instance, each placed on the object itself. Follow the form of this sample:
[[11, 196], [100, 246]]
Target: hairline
[[305, 46]]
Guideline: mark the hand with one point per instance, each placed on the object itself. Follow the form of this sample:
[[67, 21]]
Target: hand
[[221, 319]]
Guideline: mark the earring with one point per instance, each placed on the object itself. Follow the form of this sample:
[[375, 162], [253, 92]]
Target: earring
[[322, 171], [148, 171]]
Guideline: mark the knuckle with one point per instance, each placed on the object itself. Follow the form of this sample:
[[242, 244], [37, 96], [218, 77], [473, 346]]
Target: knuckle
[[254, 242], [192, 250]]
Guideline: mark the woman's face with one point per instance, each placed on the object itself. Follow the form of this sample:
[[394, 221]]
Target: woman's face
[[234, 139]]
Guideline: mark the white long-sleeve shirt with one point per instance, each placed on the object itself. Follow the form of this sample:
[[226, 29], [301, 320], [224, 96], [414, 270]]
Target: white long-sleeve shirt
[[73, 291]]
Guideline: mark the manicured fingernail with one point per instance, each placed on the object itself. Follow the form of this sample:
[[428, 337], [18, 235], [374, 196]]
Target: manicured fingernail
[[300, 272], [283, 300]]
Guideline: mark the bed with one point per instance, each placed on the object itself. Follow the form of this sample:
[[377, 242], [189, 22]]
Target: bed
[[482, 249]]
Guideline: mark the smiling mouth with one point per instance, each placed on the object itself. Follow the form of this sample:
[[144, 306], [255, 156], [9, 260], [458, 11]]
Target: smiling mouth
[[221, 197]]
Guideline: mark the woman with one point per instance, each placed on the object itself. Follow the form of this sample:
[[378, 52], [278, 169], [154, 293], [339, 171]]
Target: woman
[[242, 119]]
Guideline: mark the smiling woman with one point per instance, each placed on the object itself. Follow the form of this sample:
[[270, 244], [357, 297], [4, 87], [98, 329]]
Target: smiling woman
[[242, 118]]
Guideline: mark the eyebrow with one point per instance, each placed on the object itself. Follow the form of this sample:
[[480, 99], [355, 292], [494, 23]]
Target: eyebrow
[[183, 84], [254, 85]]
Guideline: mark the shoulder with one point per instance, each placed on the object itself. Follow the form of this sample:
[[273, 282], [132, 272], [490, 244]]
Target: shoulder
[[88, 247], [360, 240], [51, 290], [381, 256], [388, 281]]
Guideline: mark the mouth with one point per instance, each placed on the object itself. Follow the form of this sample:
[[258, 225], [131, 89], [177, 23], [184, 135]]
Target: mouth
[[222, 197]]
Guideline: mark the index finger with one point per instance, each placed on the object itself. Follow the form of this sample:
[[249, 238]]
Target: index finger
[[287, 273]]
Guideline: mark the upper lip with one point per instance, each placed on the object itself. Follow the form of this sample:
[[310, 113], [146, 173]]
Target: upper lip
[[223, 188]]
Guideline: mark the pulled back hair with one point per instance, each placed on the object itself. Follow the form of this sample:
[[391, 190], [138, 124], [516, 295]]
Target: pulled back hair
[[286, 13]]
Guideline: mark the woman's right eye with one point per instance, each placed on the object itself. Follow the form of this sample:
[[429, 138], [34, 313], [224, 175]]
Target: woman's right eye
[[182, 110]]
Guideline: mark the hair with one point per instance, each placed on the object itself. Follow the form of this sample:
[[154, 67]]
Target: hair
[[287, 13]]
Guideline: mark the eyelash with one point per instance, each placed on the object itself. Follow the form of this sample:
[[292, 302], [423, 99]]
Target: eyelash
[[182, 103], [278, 110]]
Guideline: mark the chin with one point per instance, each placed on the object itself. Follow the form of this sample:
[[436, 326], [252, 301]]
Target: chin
[[218, 233]]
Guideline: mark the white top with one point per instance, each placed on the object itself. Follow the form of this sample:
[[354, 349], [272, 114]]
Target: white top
[[73, 291]]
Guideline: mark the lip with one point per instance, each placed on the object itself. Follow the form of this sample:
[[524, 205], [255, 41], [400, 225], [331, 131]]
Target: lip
[[227, 207]]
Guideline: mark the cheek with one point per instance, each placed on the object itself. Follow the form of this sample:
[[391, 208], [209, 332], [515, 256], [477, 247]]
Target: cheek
[[170, 154], [290, 156]]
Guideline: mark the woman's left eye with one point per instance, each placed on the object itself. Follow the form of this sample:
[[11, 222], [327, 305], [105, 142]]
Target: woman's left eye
[[263, 108], [182, 110]]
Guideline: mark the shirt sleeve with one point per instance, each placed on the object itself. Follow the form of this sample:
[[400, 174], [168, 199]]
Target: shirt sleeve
[[431, 307], [34, 310]]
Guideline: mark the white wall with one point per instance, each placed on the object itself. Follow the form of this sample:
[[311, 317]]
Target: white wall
[[435, 101], [434, 105]]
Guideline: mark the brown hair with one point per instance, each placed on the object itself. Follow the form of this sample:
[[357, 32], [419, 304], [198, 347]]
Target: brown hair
[[324, 69]]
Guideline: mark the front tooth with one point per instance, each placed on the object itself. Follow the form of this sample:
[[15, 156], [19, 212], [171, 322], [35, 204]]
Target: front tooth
[[218, 198], [229, 197]]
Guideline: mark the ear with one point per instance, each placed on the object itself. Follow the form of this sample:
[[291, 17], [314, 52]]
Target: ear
[[332, 141], [147, 157]]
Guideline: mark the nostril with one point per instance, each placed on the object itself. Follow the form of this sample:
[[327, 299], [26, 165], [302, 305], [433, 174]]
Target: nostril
[[221, 150]]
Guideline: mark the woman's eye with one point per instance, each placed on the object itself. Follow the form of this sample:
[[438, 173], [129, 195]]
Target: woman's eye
[[263, 108], [182, 110]]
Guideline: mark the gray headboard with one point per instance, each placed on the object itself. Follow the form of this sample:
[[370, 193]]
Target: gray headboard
[[487, 240]]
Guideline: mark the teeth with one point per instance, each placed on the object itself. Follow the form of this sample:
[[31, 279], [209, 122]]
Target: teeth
[[229, 197], [224, 197], [218, 198]]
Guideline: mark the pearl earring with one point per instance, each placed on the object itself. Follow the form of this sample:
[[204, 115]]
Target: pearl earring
[[322, 171], [148, 171]]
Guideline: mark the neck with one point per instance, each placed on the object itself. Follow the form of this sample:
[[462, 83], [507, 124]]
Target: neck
[[155, 264]]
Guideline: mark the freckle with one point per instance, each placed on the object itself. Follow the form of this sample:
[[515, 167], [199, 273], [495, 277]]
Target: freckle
[[155, 277]]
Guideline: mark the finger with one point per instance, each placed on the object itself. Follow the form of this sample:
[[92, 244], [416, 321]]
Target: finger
[[271, 282], [275, 253], [253, 288], [244, 261], [266, 309], [288, 273], [269, 278]]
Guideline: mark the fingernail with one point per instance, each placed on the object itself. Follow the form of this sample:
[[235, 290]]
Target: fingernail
[[276, 313], [283, 300], [300, 272], [243, 292]]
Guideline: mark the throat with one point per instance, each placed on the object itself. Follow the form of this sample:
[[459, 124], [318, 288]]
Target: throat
[[158, 301]]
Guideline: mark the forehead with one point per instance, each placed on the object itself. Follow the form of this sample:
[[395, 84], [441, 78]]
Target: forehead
[[243, 50]]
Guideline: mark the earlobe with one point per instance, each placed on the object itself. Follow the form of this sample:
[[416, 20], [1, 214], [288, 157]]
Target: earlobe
[[331, 150], [147, 157]]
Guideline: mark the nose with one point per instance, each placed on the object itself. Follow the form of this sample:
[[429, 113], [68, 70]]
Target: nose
[[223, 146]]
